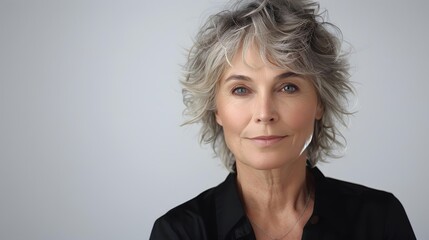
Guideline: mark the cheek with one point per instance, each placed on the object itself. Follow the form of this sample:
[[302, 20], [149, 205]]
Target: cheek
[[232, 127], [301, 117], [230, 119]]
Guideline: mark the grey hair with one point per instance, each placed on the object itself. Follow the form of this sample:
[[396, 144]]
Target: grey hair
[[291, 34]]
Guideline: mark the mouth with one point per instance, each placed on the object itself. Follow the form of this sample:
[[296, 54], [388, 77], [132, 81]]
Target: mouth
[[266, 140]]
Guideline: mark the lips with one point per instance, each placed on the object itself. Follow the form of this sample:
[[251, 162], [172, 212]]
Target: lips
[[266, 140]]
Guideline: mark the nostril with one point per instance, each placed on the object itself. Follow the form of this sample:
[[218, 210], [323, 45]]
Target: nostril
[[265, 119]]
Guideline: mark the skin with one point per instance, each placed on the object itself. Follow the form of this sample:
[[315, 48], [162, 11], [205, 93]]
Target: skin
[[268, 115]]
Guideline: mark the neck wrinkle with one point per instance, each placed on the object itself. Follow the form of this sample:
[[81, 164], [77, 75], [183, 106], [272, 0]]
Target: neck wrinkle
[[274, 191]]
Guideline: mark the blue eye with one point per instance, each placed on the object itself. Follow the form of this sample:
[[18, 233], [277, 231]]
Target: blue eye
[[240, 91], [289, 88]]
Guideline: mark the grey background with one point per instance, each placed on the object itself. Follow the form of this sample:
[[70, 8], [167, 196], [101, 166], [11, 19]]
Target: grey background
[[90, 108]]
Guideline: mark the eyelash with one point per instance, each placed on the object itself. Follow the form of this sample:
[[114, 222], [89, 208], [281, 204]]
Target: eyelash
[[235, 89], [289, 85], [282, 89]]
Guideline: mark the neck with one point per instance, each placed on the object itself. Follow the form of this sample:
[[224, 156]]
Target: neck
[[275, 191]]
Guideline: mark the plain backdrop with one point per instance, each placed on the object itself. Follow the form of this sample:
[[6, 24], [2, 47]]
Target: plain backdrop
[[90, 108]]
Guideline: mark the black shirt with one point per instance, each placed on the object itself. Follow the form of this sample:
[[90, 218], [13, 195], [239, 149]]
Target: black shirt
[[342, 210]]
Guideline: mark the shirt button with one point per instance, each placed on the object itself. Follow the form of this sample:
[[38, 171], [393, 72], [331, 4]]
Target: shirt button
[[314, 219]]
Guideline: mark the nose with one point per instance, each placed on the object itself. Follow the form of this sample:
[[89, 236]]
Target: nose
[[265, 110]]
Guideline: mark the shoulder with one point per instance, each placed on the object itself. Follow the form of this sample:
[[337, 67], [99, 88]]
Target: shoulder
[[356, 191], [363, 210], [338, 190], [187, 220], [363, 199], [197, 207]]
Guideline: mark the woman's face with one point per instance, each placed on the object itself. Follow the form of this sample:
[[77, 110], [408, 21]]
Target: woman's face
[[267, 113]]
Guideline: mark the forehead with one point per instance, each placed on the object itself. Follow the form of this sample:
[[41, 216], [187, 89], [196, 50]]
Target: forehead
[[254, 65], [251, 58]]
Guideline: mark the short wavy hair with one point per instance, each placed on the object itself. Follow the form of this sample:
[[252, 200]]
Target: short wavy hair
[[289, 33]]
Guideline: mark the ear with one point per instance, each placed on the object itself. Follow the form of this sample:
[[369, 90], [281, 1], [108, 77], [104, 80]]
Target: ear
[[218, 118], [319, 111]]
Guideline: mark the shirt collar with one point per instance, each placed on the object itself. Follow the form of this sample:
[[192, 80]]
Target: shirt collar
[[327, 199], [230, 214]]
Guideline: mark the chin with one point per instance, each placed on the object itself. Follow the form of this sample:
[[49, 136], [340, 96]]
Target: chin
[[266, 163], [270, 162]]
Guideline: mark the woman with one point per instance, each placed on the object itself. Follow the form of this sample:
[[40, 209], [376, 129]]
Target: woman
[[268, 82]]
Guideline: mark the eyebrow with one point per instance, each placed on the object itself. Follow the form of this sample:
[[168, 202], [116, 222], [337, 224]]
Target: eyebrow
[[246, 78]]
